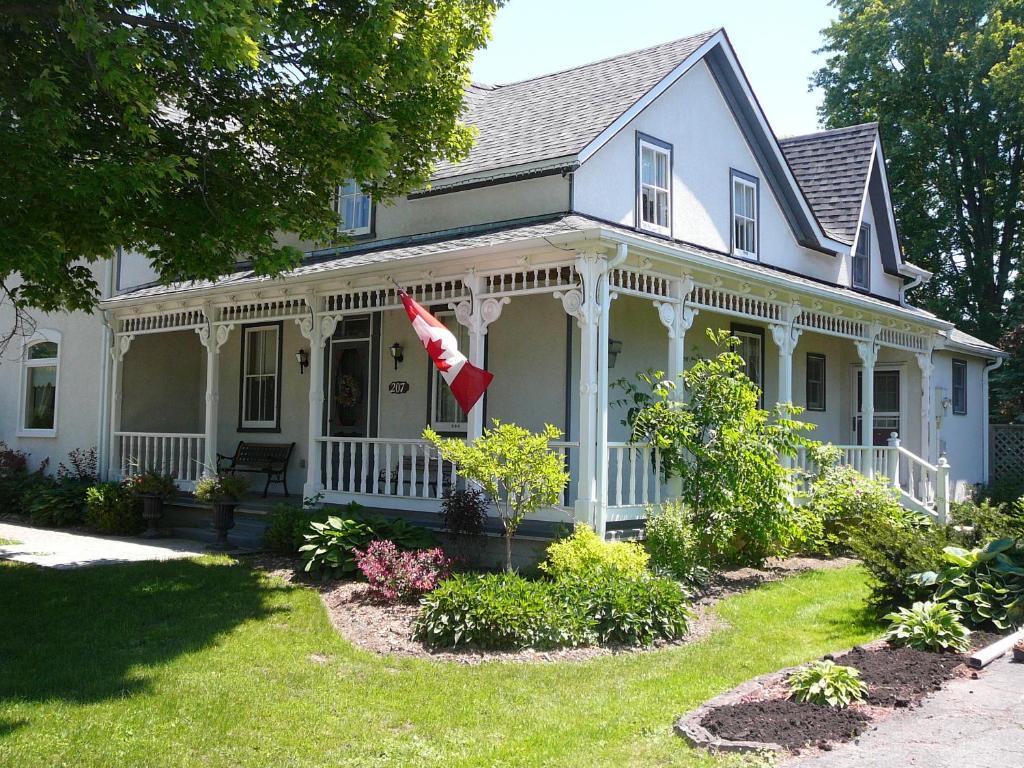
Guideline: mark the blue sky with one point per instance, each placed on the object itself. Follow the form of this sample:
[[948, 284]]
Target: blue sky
[[775, 42]]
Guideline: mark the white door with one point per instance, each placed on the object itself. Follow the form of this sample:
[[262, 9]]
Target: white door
[[888, 405]]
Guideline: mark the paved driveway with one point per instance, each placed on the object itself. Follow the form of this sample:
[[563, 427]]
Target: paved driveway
[[969, 724], [58, 549]]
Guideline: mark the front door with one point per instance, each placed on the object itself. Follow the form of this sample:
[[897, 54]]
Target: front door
[[887, 405], [349, 396]]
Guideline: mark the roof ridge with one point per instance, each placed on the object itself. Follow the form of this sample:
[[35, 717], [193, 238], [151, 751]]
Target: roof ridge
[[829, 132], [705, 34]]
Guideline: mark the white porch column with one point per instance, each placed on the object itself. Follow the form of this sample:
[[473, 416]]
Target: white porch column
[[121, 343], [212, 338], [928, 444], [476, 315], [868, 352], [785, 335], [317, 330], [582, 303], [677, 319]]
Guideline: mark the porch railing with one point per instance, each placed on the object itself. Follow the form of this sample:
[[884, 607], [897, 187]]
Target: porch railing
[[177, 454], [922, 486], [634, 479]]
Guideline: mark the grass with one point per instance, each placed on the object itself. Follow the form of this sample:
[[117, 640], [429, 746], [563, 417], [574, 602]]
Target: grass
[[7, 542], [208, 663]]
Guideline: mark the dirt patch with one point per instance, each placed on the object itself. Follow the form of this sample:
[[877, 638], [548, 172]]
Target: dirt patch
[[900, 677], [787, 723], [726, 583]]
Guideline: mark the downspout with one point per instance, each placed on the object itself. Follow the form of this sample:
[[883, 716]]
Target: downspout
[[602, 386], [106, 344], [985, 418], [914, 283]]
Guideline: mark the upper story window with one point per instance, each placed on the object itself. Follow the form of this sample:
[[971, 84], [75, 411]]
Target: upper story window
[[40, 378], [861, 266], [744, 215], [261, 376], [445, 413], [353, 207], [960, 386], [654, 185]]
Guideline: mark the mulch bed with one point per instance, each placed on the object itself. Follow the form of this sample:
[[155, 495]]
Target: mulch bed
[[761, 714]]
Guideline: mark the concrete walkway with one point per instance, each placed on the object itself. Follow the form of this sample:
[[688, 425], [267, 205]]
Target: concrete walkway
[[968, 724], [58, 549]]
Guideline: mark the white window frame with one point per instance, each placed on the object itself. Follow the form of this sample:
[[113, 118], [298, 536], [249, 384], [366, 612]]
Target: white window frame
[[863, 239], [339, 198], [438, 382], [752, 332], [260, 424], [665, 150], [39, 337], [747, 182]]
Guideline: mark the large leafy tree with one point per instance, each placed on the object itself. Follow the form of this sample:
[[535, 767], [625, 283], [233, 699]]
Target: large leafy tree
[[945, 81], [200, 129]]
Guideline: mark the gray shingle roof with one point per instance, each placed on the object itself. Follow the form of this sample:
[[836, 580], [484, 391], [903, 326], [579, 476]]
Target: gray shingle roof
[[957, 336], [557, 115], [831, 168]]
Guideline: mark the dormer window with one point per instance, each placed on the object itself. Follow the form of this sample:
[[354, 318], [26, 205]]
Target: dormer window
[[654, 185], [744, 214], [861, 266], [353, 207]]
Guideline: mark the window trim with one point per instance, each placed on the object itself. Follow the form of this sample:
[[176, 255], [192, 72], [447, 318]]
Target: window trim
[[863, 235], [752, 330], [755, 183], [355, 232], [243, 425], [642, 140], [962, 365], [42, 335], [824, 383], [447, 428]]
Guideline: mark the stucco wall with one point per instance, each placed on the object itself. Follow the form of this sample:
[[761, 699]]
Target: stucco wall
[[961, 436]]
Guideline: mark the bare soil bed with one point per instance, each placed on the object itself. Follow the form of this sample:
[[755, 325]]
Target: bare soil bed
[[386, 628]]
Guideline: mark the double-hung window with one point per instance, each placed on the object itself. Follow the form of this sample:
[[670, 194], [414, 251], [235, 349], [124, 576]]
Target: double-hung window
[[39, 386], [861, 265], [960, 387], [744, 215], [353, 207], [261, 377], [654, 193], [445, 413], [751, 349], [815, 377]]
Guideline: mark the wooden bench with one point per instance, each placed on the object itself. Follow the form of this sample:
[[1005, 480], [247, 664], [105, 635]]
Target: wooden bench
[[270, 459], [426, 470]]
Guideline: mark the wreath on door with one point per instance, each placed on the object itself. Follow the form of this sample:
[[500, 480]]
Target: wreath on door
[[348, 392]]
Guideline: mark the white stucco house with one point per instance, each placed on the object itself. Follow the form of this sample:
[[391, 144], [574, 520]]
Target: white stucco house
[[607, 216]]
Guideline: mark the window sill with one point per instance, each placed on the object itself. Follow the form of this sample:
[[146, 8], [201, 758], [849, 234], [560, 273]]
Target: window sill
[[746, 255], [651, 229], [36, 433]]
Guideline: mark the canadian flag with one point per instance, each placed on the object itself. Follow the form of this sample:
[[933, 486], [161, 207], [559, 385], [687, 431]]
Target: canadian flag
[[467, 382]]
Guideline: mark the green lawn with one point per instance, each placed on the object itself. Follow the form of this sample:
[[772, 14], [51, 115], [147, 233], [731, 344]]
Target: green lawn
[[207, 663], [5, 542]]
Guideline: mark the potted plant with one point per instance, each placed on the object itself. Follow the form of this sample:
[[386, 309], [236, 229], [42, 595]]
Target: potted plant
[[1018, 651], [154, 489], [223, 492]]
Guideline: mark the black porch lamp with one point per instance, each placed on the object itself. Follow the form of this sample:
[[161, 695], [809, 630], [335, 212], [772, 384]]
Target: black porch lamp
[[302, 358], [614, 348], [397, 353]]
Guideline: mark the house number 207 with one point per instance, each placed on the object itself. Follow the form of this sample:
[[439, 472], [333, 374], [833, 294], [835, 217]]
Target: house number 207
[[398, 387]]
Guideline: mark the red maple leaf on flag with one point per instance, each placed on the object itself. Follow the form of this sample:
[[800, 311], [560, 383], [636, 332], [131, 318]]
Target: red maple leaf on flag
[[436, 349]]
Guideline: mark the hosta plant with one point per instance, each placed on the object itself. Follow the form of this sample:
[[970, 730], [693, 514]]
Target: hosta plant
[[827, 684], [928, 626], [330, 545]]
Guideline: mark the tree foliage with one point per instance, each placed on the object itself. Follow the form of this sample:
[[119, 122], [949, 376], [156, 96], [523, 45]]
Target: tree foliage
[[945, 81], [197, 131], [725, 449]]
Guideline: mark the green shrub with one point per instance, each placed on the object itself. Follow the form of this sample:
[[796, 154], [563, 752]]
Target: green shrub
[[725, 448], [112, 508], [218, 488], [894, 546], [584, 552], [827, 684], [289, 524], [928, 626], [984, 585], [329, 544], [627, 609], [989, 520], [673, 542], [55, 504], [499, 611], [1006, 490]]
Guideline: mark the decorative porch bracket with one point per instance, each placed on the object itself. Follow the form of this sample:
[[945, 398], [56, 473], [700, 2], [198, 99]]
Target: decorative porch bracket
[[212, 337]]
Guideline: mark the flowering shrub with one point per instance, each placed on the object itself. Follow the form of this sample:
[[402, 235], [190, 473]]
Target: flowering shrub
[[396, 575]]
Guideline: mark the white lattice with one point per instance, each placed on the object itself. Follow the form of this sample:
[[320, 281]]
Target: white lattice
[[1006, 451]]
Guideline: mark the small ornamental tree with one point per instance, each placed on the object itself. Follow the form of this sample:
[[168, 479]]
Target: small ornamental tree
[[513, 466], [726, 449]]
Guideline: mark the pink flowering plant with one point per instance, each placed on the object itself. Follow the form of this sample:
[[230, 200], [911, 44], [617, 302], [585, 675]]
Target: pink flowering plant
[[396, 575]]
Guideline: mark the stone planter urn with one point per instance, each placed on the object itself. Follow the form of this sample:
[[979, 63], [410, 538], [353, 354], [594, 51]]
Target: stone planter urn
[[223, 521], [152, 511], [1018, 652]]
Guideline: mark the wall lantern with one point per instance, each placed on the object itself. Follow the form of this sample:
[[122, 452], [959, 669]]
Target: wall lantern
[[614, 348], [302, 358], [397, 353]]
